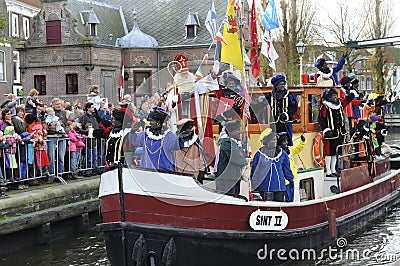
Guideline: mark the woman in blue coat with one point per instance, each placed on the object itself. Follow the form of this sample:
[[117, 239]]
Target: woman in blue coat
[[271, 166]]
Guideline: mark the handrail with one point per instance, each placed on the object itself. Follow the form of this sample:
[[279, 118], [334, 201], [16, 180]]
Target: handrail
[[345, 155]]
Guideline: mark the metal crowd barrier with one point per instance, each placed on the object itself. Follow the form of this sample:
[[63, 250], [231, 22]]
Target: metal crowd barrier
[[26, 164]]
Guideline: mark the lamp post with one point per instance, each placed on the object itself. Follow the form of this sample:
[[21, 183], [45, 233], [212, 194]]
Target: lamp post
[[301, 47]]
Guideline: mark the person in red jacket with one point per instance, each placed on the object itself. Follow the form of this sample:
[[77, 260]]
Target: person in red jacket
[[345, 91]]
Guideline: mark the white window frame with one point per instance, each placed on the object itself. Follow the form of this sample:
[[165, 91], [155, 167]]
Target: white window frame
[[17, 65], [26, 27], [14, 25], [3, 67]]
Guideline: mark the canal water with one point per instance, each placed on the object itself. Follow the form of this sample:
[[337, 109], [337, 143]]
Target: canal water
[[377, 245]]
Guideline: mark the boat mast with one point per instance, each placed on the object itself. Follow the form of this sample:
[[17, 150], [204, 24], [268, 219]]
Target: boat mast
[[244, 122]]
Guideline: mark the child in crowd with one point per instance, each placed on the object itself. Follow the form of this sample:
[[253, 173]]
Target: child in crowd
[[93, 96], [91, 150], [31, 100], [74, 148], [23, 156], [39, 135], [2, 145], [11, 103], [12, 139], [50, 117]]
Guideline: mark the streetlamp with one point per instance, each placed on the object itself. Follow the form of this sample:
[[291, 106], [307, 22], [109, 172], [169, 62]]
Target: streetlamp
[[301, 47]]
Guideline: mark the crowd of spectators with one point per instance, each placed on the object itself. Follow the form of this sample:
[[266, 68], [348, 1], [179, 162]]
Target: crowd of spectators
[[41, 142]]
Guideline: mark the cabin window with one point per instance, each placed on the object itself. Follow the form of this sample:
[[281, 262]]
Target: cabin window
[[40, 84], [71, 83], [314, 101], [306, 189], [297, 116], [258, 110], [53, 32]]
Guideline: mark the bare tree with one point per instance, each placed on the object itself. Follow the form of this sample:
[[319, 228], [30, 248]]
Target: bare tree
[[298, 21], [345, 25], [379, 26]]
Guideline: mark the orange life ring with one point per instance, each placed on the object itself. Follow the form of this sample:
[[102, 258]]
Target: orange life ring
[[317, 153]]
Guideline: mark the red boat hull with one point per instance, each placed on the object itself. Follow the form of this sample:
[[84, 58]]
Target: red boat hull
[[221, 230]]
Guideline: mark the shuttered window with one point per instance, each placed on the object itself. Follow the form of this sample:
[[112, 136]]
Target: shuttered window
[[53, 32]]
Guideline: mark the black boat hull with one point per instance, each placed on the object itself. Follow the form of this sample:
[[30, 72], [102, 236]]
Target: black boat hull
[[138, 244]]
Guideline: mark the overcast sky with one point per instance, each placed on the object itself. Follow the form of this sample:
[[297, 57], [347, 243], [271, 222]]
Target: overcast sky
[[331, 6]]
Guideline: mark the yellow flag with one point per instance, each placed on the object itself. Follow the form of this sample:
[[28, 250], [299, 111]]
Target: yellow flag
[[231, 53]]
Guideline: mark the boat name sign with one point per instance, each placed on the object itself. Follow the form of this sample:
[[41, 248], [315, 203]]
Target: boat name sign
[[268, 220]]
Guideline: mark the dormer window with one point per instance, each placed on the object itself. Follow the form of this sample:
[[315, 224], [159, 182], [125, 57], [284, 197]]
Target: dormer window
[[90, 19], [191, 24]]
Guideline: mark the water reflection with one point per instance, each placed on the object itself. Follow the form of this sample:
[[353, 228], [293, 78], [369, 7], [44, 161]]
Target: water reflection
[[84, 249], [378, 245]]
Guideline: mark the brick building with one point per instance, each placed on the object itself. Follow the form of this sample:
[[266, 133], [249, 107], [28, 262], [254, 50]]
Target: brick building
[[18, 14], [77, 43]]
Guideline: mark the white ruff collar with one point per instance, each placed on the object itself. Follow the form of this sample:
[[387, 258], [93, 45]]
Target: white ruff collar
[[325, 75], [154, 137], [119, 133], [273, 158], [190, 142], [332, 105]]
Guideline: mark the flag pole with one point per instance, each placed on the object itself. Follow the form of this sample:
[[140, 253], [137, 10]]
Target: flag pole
[[243, 76]]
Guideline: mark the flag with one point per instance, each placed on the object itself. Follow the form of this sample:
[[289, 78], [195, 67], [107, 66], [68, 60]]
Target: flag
[[220, 38], [232, 53], [199, 73], [254, 59], [267, 49], [270, 18], [236, 3], [122, 80], [206, 58], [211, 20]]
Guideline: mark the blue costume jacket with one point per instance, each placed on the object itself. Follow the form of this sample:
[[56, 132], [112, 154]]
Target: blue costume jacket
[[158, 151], [269, 174]]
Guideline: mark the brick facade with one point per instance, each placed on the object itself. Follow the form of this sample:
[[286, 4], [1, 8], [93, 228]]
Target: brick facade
[[94, 63]]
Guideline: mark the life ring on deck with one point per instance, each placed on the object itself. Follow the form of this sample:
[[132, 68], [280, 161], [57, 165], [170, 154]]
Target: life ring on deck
[[317, 152]]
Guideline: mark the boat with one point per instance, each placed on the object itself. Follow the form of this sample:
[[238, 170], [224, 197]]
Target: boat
[[170, 219], [154, 217]]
